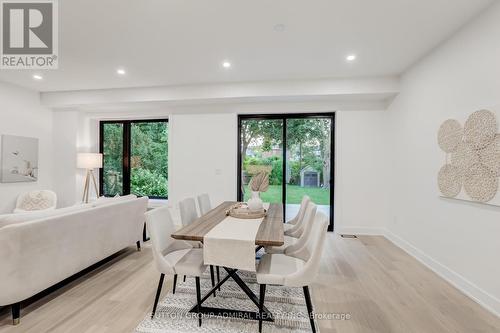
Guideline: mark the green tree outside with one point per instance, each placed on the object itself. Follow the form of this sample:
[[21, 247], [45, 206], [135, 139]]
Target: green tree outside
[[308, 145], [149, 159]]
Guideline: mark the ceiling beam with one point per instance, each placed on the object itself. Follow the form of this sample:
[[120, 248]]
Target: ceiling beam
[[343, 90]]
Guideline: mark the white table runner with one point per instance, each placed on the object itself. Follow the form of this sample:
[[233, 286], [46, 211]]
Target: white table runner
[[232, 243]]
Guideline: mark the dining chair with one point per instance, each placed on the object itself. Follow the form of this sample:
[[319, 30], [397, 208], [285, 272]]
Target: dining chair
[[205, 206], [300, 214], [297, 229], [291, 243], [294, 271], [188, 215], [172, 256], [204, 203], [188, 211]]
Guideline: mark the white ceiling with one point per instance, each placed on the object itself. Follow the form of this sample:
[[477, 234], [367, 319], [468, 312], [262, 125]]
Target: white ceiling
[[179, 42]]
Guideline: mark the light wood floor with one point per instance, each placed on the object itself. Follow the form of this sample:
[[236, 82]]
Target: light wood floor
[[380, 287]]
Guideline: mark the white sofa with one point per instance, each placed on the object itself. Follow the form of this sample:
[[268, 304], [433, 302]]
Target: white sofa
[[38, 254]]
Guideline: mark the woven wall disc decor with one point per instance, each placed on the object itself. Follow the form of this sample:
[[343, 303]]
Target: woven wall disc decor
[[449, 181], [480, 129], [490, 156], [450, 135], [464, 157], [480, 183], [472, 158]]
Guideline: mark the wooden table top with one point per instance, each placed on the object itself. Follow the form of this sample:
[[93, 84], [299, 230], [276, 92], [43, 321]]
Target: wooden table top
[[271, 232]]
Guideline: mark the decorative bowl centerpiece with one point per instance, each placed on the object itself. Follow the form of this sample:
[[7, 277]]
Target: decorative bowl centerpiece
[[242, 211]]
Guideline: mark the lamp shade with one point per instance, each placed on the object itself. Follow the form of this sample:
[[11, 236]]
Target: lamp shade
[[89, 161]]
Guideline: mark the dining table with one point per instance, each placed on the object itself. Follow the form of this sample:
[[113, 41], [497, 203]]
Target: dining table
[[270, 233]]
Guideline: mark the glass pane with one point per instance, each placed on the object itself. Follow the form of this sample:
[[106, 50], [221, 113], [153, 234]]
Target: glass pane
[[113, 159], [308, 163], [149, 159], [262, 150]]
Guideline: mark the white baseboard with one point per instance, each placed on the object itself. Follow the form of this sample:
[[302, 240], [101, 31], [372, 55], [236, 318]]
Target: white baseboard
[[360, 231], [489, 302]]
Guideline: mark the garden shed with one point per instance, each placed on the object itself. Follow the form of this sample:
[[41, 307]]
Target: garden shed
[[309, 177]]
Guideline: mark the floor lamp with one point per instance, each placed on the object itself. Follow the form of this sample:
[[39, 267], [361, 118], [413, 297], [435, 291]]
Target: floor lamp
[[89, 161]]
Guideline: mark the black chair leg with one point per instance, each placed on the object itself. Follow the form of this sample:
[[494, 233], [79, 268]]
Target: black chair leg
[[138, 243], [175, 283], [16, 313], [309, 308], [218, 276], [198, 299], [184, 278], [212, 277], [158, 292], [261, 305]]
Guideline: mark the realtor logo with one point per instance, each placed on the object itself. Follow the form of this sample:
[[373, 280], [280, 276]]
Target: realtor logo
[[29, 34]]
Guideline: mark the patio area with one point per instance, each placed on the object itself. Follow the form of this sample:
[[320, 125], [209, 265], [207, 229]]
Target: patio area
[[293, 209]]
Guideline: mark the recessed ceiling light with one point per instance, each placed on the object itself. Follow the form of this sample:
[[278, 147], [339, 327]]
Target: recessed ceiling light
[[279, 27], [351, 57], [120, 71], [37, 77], [226, 64]]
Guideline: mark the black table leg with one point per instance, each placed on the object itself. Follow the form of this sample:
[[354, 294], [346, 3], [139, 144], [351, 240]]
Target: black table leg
[[212, 277], [144, 236], [175, 284], [198, 299], [223, 312], [218, 275]]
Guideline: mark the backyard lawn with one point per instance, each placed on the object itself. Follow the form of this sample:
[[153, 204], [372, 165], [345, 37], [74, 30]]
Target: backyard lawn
[[319, 195]]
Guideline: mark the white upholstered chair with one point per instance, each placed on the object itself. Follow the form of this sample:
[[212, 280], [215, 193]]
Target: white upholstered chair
[[293, 244], [188, 211], [297, 271], [36, 201], [300, 214], [172, 256], [205, 206], [204, 203], [189, 214], [297, 229]]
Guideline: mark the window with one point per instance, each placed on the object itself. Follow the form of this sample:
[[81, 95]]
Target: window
[[135, 158]]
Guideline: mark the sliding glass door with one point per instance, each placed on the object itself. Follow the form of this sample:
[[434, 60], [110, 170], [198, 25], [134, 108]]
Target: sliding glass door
[[297, 153], [308, 162], [262, 150]]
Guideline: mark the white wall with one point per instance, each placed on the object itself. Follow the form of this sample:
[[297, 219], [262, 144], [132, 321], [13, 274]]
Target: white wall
[[74, 132], [21, 114], [459, 240], [362, 172], [65, 134], [202, 156]]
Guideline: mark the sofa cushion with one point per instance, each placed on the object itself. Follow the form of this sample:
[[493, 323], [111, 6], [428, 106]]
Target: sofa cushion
[[36, 200], [111, 200], [7, 219]]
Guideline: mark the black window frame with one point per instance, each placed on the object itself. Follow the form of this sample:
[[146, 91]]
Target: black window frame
[[127, 147], [284, 117]]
